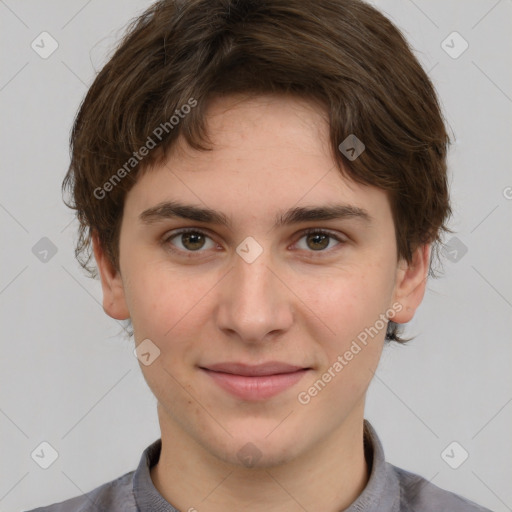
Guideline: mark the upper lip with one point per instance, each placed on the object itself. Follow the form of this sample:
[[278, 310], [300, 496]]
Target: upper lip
[[270, 368]]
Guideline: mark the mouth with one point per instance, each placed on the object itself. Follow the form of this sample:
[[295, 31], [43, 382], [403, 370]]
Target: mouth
[[254, 382]]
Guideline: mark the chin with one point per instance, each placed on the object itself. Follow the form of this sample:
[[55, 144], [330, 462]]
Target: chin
[[258, 451]]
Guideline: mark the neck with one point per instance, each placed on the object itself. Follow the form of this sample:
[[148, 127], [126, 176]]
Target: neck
[[329, 477]]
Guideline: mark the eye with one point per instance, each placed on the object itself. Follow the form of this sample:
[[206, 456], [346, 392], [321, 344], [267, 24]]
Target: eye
[[317, 240], [194, 240], [190, 240]]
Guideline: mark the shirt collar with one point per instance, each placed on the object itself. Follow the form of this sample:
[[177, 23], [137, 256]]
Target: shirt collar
[[382, 491], [381, 494], [145, 493]]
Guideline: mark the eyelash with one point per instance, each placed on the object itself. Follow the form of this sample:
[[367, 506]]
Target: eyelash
[[304, 233]]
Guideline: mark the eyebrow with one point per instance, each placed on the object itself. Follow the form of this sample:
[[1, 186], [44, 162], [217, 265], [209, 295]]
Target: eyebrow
[[175, 209]]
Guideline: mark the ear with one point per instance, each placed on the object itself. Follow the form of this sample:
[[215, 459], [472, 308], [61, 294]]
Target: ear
[[410, 284], [114, 303]]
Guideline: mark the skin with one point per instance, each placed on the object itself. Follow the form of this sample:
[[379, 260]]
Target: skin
[[295, 303]]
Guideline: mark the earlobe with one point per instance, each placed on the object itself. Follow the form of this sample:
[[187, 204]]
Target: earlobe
[[114, 303], [411, 282]]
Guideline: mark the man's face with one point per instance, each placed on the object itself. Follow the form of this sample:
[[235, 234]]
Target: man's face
[[222, 299]]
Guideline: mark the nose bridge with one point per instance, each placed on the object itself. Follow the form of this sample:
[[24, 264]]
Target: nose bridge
[[253, 301]]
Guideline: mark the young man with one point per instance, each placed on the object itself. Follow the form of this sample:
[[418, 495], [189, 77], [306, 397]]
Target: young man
[[262, 183]]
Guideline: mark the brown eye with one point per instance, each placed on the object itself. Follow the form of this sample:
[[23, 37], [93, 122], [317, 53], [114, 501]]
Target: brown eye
[[317, 241], [190, 241]]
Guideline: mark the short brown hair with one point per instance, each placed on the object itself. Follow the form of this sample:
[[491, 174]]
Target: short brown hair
[[343, 53]]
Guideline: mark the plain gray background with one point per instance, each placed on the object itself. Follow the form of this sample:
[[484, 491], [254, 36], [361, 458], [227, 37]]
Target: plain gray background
[[69, 378]]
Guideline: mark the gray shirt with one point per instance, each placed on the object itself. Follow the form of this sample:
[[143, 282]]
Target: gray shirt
[[389, 489]]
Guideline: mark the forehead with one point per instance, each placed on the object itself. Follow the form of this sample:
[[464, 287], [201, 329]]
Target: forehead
[[260, 133], [268, 153]]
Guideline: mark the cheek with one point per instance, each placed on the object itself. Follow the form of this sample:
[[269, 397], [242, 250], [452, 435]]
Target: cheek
[[348, 303], [159, 299], [170, 308], [350, 349]]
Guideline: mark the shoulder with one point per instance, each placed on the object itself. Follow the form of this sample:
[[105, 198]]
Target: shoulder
[[114, 496], [419, 495]]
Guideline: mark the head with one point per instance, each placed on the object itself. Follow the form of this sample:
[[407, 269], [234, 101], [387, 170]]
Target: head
[[247, 112]]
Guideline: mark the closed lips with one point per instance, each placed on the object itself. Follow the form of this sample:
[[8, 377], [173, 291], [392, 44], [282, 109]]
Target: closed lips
[[265, 369]]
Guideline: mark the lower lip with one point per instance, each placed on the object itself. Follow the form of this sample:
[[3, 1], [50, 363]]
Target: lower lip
[[255, 388]]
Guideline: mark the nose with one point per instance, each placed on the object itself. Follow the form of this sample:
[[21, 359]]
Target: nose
[[254, 304]]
